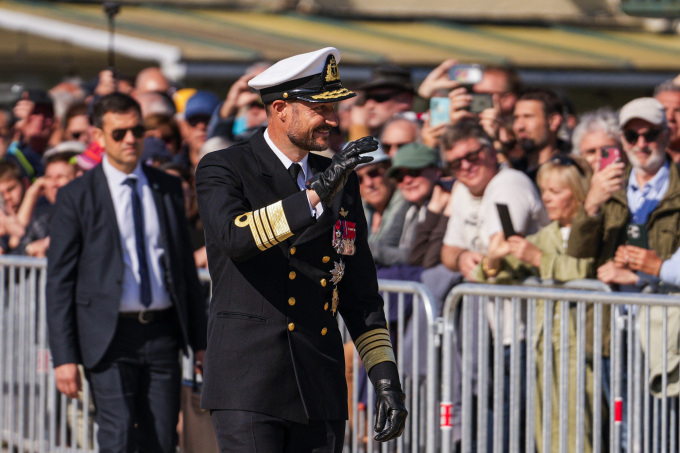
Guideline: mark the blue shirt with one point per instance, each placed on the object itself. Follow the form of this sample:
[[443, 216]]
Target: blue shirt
[[643, 200]]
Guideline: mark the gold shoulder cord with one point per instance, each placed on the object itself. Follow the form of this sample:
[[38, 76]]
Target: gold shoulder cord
[[268, 225], [374, 347]]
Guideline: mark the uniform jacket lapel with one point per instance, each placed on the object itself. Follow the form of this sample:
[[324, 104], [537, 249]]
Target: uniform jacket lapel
[[330, 213], [103, 194], [275, 175]]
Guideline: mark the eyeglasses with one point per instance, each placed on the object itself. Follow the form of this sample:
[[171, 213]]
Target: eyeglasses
[[472, 157], [566, 161], [650, 136], [376, 172], [402, 173], [381, 97], [119, 134]]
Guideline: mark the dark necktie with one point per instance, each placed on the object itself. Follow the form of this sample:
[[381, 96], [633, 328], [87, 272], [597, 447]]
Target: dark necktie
[[294, 171], [138, 216]]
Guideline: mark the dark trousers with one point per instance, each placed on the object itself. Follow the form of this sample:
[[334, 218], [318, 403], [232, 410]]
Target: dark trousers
[[136, 388], [251, 432]]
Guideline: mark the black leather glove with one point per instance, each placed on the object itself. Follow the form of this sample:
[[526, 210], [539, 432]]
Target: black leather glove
[[390, 418], [328, 183]]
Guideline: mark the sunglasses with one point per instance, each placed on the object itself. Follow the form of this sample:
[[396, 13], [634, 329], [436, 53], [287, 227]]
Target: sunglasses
[[566, 161], [380, 97], [402, 173], [376, 172], [76, 135], [198, 119], [119, 134], [391, 145], [472, 157], [650, 136]]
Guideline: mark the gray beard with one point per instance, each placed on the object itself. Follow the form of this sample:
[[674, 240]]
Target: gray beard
[[306, 143]]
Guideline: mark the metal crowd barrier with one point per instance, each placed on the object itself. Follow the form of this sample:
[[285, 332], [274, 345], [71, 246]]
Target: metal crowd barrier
[[637, 421], [416, 350]]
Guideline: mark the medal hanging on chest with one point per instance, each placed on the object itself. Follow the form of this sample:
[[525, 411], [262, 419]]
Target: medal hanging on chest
[[344, 235]]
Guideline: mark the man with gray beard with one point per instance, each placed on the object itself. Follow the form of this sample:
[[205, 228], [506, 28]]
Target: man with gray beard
[[645, 195]]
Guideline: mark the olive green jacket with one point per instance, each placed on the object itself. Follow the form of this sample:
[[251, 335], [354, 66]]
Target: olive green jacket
[[555, 265], [599, 236]]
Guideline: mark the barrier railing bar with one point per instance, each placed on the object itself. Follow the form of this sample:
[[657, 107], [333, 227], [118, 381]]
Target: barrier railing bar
[[564, 375], [530, 442]]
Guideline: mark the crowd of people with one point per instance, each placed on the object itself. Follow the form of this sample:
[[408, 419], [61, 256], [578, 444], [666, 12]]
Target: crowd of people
[[597, 196]]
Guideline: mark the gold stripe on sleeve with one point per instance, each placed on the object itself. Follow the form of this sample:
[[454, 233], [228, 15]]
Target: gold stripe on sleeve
[[245, 220], [375, 347], [278, 222], [265, 223], [260, 229]]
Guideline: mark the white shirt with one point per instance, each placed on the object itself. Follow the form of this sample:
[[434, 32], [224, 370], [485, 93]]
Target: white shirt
[[303, 176], [121, 196]]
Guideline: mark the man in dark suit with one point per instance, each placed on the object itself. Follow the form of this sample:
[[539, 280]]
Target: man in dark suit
[[287, 245], [122, 291]]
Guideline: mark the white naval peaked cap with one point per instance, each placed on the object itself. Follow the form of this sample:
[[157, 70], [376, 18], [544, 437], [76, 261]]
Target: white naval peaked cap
[[311, 77]]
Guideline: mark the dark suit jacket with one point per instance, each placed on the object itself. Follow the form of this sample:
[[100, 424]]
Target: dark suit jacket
[[274, 346], [85, 267]]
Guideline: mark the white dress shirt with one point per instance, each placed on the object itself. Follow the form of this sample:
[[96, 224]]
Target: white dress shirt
[[121, 196], [303, 176]]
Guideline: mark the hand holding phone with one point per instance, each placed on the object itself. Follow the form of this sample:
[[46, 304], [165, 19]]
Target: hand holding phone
[[610, 154], [506, 221]]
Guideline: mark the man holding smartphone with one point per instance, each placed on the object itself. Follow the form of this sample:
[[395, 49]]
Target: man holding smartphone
[[646, 193]]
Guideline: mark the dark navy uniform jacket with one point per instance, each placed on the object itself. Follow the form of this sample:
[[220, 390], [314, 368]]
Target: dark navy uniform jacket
[[274, 346]]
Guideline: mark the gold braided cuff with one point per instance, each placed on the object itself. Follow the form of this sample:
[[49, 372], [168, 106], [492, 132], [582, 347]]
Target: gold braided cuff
[[268, 225], [375, 347]]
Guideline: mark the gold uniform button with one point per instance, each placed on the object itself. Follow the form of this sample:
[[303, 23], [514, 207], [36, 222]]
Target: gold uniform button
[[291, 326], [325, 259], [325, 306], [293, 250], [291, 301], [292, 275], [323, 331], [323, 282]]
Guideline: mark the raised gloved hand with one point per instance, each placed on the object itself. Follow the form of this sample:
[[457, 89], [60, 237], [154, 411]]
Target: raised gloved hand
[[328, 183], [391, 413]]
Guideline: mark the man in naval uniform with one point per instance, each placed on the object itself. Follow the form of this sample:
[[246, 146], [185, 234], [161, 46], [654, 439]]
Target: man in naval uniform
[[287, 251]]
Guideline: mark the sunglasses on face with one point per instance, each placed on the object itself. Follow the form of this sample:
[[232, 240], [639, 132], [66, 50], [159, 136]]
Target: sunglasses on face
[[472, 157], [376, 172], [650, 136], [391, 145], [404, 172], [119, 134], [566, 161], [76, 135], [198, 119], [380, 97]]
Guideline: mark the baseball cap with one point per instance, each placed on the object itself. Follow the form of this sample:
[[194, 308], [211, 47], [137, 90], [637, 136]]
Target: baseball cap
[[389, 76], [67, 147], [648, 109], [415, 156], [201, 103], [311, 77]]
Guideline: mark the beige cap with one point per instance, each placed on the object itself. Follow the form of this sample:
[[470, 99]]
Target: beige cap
[[648, 109]]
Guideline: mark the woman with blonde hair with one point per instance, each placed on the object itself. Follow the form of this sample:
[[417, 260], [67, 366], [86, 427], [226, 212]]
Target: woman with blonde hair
[[564, 182]]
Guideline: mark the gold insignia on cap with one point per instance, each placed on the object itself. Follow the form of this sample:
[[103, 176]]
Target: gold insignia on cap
[[375, 347], [285, 95], [332, 72], [333, 94], [343, 212], [268, 225]]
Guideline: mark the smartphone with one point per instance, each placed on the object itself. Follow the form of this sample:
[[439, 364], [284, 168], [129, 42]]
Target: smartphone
[[480, 102], [466, 74], [506, 221], [637, 235], [439, 111], [609, 154]]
